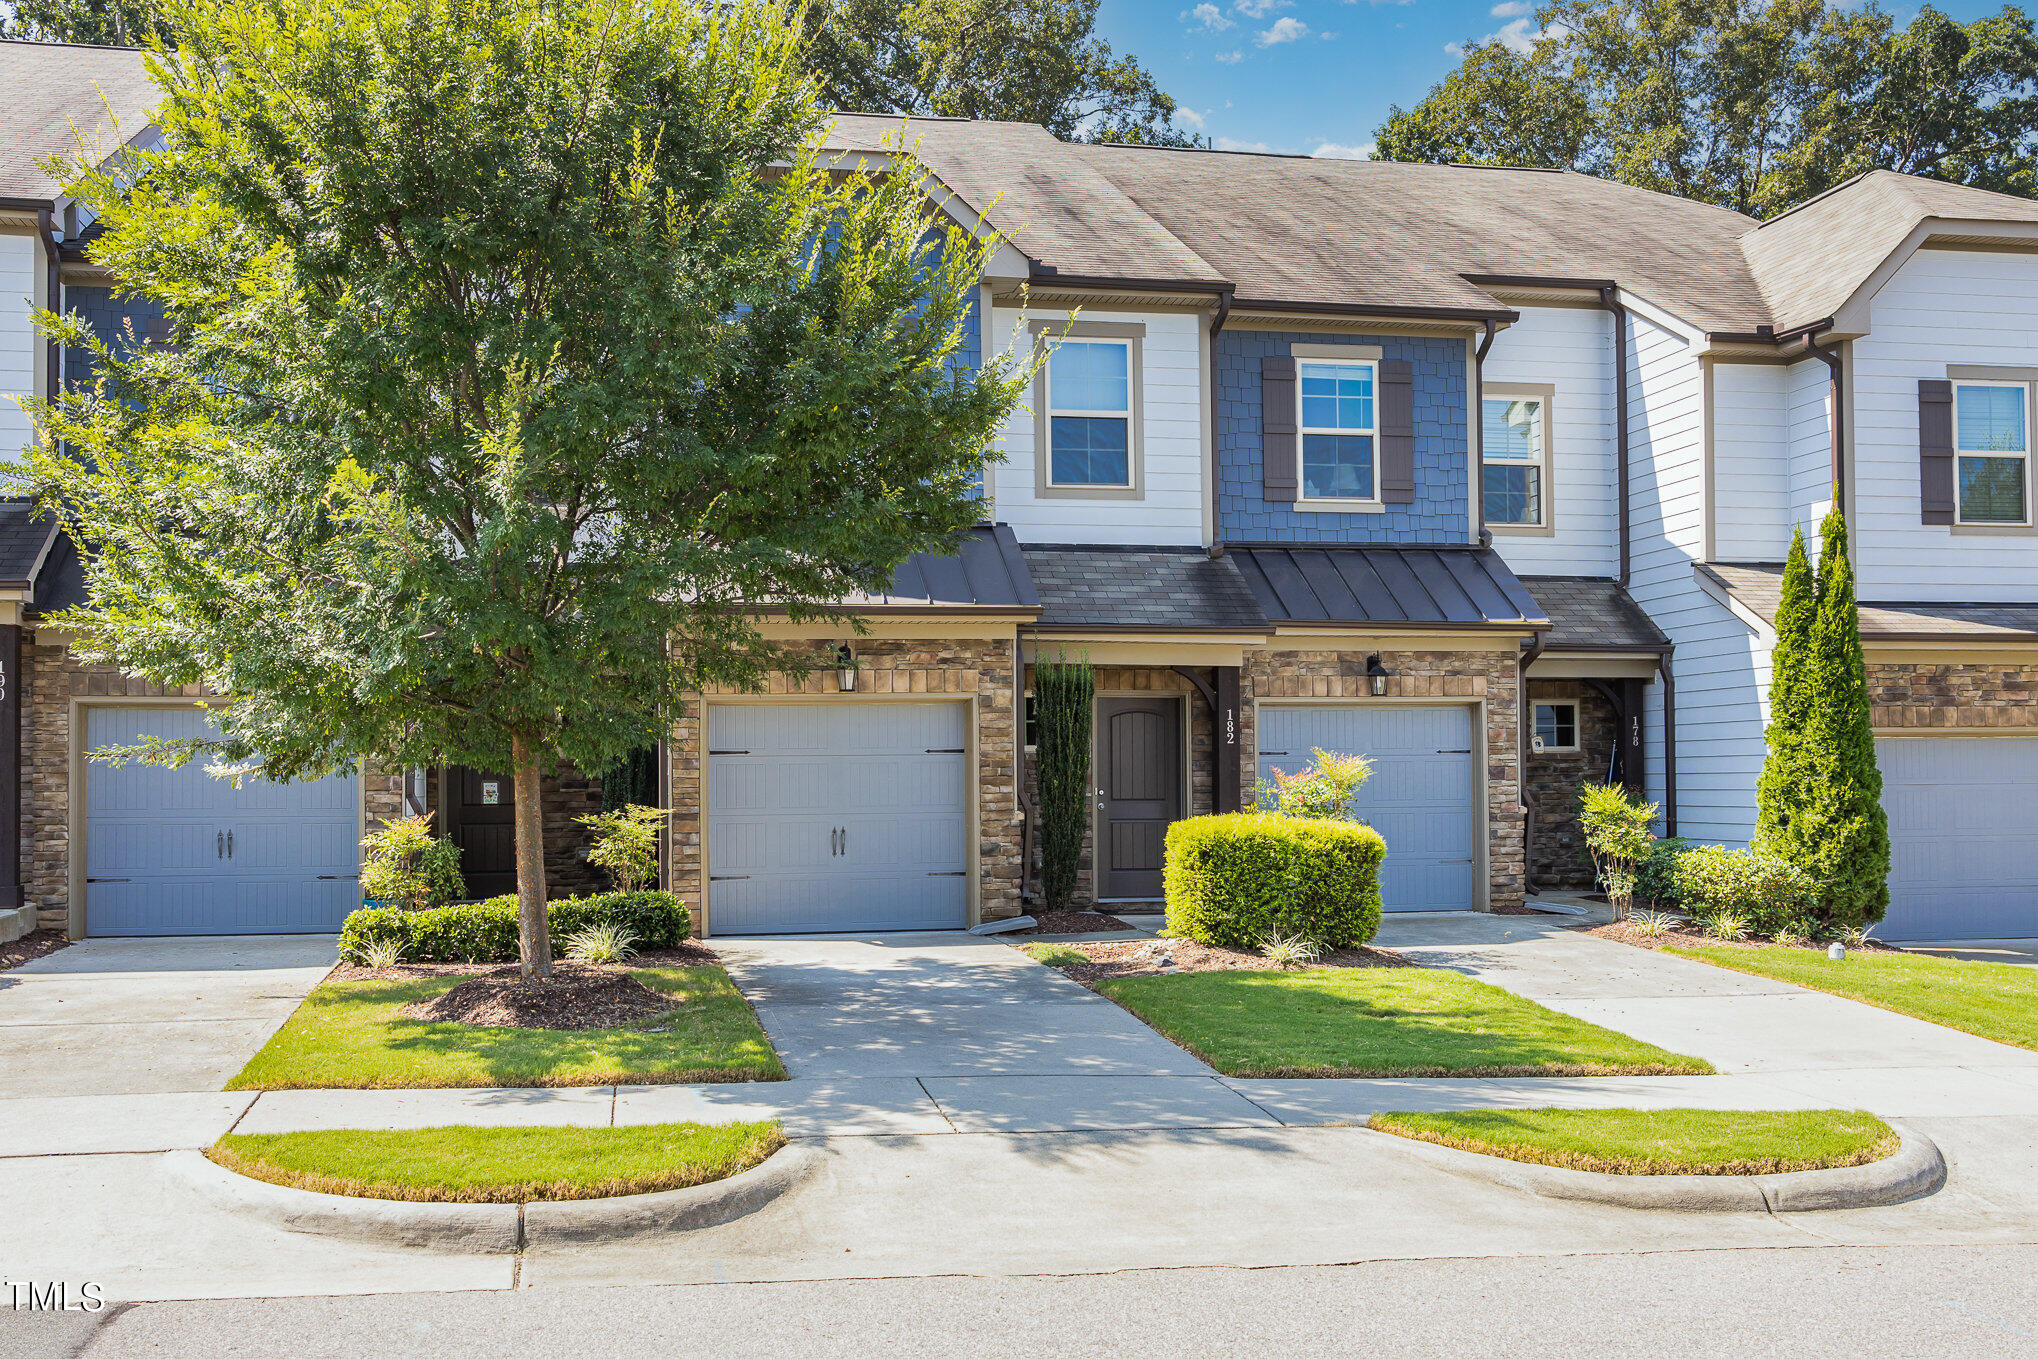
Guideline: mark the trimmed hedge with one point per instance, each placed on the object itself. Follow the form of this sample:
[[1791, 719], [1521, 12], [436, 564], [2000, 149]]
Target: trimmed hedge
[[486, 931], [1235, 879], [1766, 890]]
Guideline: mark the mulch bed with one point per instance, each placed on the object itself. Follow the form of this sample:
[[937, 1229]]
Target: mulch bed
[[1072, 922], [35, 944], [1688, 935], [1142, 959], [690, 954], [579, 996]]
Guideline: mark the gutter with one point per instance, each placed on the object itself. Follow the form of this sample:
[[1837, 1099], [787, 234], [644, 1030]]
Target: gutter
[[1216, 517], [1837, 384], [1669, 740], [1609, 301], [1474, 417], [45, 224], [1524, 722]]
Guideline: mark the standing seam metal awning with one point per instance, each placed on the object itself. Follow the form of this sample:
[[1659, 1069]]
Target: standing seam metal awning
[[1450, 587]]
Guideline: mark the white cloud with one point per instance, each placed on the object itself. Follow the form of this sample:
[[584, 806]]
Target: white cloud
[[1518, 35], [1454, 49], [1510, 9], [1333, 151], [1191, 117], [1230, 58], [1209, 18], [1233, 144], [1288, 28], [1259, 9]]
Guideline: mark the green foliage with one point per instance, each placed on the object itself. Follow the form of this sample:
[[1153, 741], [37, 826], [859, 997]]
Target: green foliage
[[631, 781], [1064, 702], [1760, 888], [1035, 61], [1322, 789], [1618, 831], [1289, 951], [626, 844], [604, 943], [1236, 879], [1656, 875], [103, 23], [518, 347], [486, 931], [404, 862], [1838, 832], [1750, 105], [1779, 792]]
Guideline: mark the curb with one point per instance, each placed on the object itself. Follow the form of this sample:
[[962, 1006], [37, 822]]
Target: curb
[[1915, 1170], [495, 1228]]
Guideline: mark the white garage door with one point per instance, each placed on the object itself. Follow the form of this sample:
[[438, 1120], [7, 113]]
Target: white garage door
[[177, 851], [1963, 830], [826, 817], [1419, 796]]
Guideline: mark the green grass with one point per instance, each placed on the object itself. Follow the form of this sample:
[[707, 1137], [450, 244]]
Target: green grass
[[1054, 955], [1990, 1000], [1379, 1021], [1658, 1141], [500, 1165], [347, 1035]]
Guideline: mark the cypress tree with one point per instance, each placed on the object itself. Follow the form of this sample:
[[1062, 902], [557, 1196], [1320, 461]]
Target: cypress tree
[[1064, 697], [1840, 834], [1777, 794]]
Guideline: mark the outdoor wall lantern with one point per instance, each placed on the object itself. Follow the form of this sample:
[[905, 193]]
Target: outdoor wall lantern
[[845, 669], [1377, 674]]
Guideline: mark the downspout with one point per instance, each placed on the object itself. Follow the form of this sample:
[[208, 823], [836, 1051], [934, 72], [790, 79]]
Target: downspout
[[1669, 741], [45, 224], [1474, 474], [1832, 360], [1609, 301], [1524, 723], [1216, 519]]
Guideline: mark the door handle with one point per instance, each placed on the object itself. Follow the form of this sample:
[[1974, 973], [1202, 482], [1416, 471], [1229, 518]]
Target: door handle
[[229, 844], [219, 845]]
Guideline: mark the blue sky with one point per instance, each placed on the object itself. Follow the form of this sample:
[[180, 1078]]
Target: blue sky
[[1317, 75]]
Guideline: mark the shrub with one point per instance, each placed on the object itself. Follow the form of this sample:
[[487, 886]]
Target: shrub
[[1234, 880], [403, 862], [609, 943], [486, 931], [1617, 830], [1656, 875], [1064, 695], [1763, 890], [1289, 951], [626, 844], [1323, 789]]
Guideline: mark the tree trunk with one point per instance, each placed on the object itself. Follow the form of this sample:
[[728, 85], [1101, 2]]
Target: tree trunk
[[534, 933]]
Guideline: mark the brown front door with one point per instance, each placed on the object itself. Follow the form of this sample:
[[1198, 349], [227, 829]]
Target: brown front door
[[480, 816], [1139, 792]]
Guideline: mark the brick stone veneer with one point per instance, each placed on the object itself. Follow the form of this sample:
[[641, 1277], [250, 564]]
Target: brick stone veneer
[[966, 668], [1558, 854], [1906, 694]]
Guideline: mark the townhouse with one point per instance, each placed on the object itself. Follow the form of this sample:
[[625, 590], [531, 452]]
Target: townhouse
[[1483, 473]]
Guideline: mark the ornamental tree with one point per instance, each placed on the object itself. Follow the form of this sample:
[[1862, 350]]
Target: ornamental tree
[[1779, 791], [519, 345]]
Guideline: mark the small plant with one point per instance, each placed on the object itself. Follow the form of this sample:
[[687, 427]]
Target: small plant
[[1725, 925], [626, 844], [1618, 832], [1289, 951], [1793, 933], [1856, 936], [1064, 700], [404, 863], [377, 953], [1652, 924], [1322, 790], [606, 943]]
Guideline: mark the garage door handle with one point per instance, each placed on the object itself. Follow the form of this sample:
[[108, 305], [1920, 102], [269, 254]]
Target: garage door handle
[[947, 750], [728, 877], [219, 845], [338, 877], [229, 844], [957, 873], [89, 880]]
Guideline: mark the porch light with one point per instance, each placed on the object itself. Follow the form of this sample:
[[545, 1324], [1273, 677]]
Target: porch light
[[1376, 674], [845, 669]]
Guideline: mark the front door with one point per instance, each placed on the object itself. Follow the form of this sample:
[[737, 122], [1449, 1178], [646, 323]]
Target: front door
[[479, 813], [1139, 792]]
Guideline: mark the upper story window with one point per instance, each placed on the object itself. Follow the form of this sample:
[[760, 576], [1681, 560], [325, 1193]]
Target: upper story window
[[1339, 427], [1087, 411], [1515, 457], [1992, 443]]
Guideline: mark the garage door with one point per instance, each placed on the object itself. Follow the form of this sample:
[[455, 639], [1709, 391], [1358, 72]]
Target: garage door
[[827, 817], [1963, 830], [1419, 796], [176, 851]]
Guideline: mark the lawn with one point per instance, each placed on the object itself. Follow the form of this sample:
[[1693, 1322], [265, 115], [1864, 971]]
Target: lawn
[[500, 1165], [1371, 1021], [1658, 1141], [347, 1035], [1991, 1000]]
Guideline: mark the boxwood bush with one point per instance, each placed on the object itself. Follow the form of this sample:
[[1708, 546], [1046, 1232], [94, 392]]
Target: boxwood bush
[[486, 931], [1656, 876], [1765, 890], [1236, 879]]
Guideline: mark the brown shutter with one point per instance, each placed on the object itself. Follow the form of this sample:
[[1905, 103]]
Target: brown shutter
[[1397, 432], [1935, 450], [1279, 461]]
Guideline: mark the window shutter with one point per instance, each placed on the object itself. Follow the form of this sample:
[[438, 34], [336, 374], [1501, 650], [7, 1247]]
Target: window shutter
[[1280, 459], [1397, 432], [1935, 450]]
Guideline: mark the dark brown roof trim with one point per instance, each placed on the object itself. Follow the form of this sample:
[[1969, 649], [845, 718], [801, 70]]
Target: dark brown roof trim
[[1048, 274], [1536, 281], [1507, 314]]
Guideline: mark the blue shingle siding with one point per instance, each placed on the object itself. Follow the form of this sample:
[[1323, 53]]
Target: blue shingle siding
[[1440, 513], [118, 321]]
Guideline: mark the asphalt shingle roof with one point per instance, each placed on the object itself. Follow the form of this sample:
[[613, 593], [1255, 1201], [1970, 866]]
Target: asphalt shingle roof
[[25, 536], [1590, 614], [1758, 587], [1145, 587], [58, 99]]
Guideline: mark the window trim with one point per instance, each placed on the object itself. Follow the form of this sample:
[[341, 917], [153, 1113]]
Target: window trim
[[1546, 393], [1535, 705], [1367, 358], [1132, 335], [2023, 385]]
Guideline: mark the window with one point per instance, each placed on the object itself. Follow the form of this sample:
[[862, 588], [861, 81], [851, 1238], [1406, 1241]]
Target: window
[[1338, 430], [1992, 448], [1089, 395], [1556, 727], [1515, 453]]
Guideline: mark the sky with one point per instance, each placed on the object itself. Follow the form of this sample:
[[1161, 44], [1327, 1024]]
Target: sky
[[1318, 76]]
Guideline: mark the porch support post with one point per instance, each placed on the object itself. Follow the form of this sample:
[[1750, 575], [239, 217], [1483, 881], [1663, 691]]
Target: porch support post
[[1229, 797], [10, 766], [1632, 749]]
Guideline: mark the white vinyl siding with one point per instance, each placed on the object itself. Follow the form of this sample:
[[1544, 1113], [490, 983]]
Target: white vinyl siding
[[1943, 309], [1571, 350], [1808, 391], [1751, 462], [21, 286], [1169, 508]]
